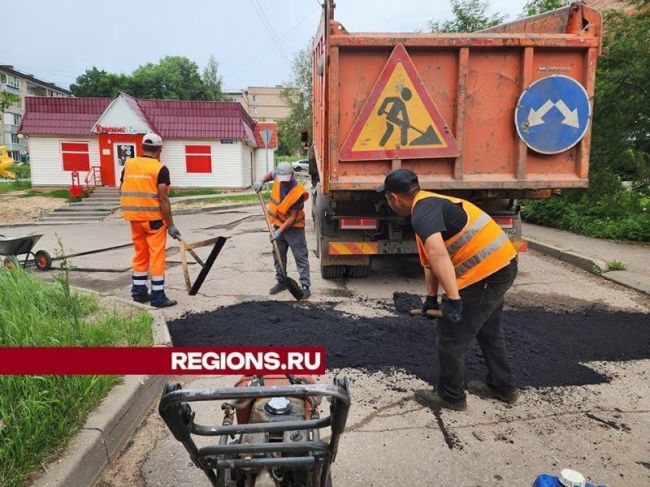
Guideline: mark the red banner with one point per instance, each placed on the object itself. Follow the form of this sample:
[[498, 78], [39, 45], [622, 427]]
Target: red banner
[[161, 360]]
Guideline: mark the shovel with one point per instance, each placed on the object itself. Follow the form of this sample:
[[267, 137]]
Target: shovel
[[293, 286]]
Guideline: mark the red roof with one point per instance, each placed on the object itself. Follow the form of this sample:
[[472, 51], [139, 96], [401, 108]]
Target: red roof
[[61, 116], [176, 119]]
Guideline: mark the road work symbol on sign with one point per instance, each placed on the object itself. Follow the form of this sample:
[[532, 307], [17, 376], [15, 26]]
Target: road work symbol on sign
[[553, 114], [399, 119]]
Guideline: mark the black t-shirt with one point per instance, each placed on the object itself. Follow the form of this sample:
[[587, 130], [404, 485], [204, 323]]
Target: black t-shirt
[[433, 215], [163, 176]]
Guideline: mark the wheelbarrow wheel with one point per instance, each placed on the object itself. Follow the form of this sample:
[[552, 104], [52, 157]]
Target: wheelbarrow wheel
[[8, 263], [43, 260]]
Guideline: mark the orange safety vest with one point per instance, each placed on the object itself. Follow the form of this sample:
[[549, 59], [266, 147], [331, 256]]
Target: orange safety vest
[[139, 191], [279, 210], [480, 249]]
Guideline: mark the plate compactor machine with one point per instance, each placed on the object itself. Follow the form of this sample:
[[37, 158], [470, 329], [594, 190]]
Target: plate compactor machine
[[270, 434]]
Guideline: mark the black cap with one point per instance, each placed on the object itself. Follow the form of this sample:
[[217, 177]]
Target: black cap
[[399, 181]]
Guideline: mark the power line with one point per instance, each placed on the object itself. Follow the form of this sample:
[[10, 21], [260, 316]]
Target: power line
[[270, 31], [262, 51]]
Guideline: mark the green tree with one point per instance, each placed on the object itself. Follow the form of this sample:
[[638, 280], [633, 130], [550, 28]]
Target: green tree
[[297, 94], [213, 81], [7, 100], [469, 16], [535, 7], [621, 124], [97, 82], [173, 78]]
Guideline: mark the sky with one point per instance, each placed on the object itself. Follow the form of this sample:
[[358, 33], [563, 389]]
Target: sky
[[253, 40]]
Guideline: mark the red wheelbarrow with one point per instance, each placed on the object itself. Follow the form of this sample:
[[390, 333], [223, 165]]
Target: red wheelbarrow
[[12, 247]]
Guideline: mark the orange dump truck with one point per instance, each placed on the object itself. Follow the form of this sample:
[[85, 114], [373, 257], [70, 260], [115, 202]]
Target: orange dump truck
[[491, 116]]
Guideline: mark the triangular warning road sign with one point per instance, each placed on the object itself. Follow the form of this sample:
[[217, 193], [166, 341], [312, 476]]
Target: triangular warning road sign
[[399, 120]]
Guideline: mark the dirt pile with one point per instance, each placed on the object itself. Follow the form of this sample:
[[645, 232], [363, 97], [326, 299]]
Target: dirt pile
[[546, 348]]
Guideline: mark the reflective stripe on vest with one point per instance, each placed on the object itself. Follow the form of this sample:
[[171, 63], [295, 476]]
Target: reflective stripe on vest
[[139, 191], [279, 212], [480, 249]]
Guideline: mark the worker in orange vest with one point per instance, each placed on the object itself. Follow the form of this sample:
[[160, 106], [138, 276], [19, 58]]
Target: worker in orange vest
[[144, 198], [287, 215], [465, 251]]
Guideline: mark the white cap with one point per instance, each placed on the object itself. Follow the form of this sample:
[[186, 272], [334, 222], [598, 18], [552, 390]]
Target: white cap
[[284, 171], [571, 478], [152, 139]]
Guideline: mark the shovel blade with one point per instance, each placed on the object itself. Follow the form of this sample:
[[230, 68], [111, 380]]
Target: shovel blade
[[294, 288]]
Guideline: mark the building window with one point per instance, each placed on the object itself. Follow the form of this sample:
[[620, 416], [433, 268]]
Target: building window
[[14, 139], [254, 110], [35, 90], [75, 156], [13, 81], [17, 119], [198, 158], [254, 97]]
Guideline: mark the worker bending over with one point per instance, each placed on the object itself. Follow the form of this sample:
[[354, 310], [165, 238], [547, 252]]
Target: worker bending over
[[144, 198], [465, 251], [287, 215]]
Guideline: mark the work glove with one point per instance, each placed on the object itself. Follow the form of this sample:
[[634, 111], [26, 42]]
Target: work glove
[[276, 235], [173, 232], [452, 309], [431, 302], [258, 186]]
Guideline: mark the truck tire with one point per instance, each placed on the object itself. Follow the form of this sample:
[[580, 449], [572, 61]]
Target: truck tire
[[332, 271], [357, 271]]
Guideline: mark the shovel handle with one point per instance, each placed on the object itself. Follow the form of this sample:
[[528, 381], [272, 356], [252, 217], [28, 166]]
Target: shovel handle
[[192, 253], [276, 249], [431, 313]]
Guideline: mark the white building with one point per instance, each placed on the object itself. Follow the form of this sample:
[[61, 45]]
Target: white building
[[206, 143]]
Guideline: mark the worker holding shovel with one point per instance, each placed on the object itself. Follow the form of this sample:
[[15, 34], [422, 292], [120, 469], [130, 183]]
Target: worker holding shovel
[[463, 249], [145, 204], [287, 215]]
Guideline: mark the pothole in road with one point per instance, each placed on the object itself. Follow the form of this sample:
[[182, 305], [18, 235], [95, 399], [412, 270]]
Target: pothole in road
[[546, 348]]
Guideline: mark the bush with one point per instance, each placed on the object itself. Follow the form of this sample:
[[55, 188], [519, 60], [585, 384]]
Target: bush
[[606, 210], [39, 414]]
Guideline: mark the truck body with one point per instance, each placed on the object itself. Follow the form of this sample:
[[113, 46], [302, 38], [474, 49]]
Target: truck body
[[454, 125]]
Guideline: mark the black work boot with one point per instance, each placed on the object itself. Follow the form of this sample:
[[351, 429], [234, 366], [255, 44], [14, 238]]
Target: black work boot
[[165, 304], [306, 292], [482, 389], [278, 288], [142, 298], [432, 399]]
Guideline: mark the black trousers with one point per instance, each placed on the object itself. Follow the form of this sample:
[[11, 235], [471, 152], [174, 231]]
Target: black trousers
[[482, 308]]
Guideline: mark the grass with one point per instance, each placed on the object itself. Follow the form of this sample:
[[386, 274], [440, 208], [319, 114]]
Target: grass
[[41, 413], [17, 185], [57, 193], [616, 265], [193, 192]]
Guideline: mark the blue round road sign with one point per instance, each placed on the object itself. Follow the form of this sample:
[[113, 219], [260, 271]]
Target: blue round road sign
[[553, 114]]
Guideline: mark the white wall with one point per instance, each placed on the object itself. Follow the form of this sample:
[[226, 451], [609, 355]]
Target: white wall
[[261, 166], [226, 165], [246, 164], [47, 163]]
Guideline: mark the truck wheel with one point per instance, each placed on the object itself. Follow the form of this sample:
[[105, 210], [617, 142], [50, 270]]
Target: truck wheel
[[43, 260], [332, 271], [357, 271]]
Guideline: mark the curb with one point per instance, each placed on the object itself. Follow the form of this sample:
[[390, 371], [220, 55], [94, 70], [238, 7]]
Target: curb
[[193, 211], [588, 264], [111, 424]]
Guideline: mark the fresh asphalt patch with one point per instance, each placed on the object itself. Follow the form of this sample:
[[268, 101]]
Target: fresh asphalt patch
[[546, 348]]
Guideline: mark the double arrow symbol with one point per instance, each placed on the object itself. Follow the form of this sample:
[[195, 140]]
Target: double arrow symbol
[[536, 117]]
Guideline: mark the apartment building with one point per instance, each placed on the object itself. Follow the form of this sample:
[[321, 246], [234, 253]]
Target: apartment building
[[21, 84], [263, 102]]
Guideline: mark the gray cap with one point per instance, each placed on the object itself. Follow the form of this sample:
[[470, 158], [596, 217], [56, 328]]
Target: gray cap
[[284, 171]]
